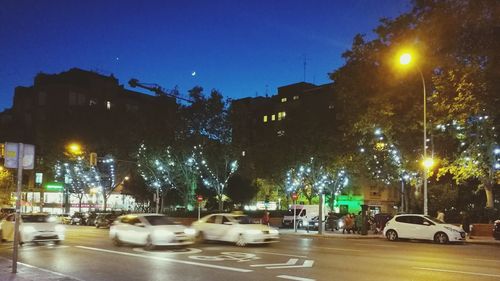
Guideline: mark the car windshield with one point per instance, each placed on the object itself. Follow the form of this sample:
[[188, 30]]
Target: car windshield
[[434, 220], [159, 220], [243, 219], [36, 218]]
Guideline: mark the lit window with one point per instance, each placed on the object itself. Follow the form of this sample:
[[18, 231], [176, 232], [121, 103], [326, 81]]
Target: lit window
[[243, 153], [330, 106], [108, 105], [265, 118], [295, 97], [283, 99], [273, 117], [281, 133], [281, 115]]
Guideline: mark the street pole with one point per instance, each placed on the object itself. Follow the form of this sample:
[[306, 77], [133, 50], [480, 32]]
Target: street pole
[[426, 212], [199, 210], [402, 195], [20, 156], [295, 215], [158, 200], [320, 217]]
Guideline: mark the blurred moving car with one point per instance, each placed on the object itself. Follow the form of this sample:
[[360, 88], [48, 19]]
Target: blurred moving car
[[150, 231], [496, 230], [237, 228], [37, 227], [104, 220], [416, 226]]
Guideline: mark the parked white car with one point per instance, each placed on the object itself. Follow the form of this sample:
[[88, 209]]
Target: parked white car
[[416, 226], [150, 230], [37, 227], [236, 228]]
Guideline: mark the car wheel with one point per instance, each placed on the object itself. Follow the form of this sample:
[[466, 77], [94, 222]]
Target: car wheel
[[241, 242], [149, 244], [391, 235], [96, 225], [117, 241], [441, 238]]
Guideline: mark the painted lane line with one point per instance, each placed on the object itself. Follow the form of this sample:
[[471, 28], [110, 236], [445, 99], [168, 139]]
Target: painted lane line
[[295, 278], [340, 249], [307, 263], [286, 255], [457, 271], [166, 259], [289, 262]]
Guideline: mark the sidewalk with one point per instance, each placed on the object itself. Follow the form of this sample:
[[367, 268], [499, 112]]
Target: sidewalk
[[338, 235], [29, 273]]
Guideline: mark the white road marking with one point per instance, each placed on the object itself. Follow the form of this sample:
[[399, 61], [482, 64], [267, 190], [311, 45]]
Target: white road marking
[[166, 259], [170, 252], [295, 278], [307, 263], [289, 262], [286, 255], [340, 249], [457, 271]]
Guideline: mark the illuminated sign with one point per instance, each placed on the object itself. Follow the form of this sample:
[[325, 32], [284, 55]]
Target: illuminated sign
[[54, 186]]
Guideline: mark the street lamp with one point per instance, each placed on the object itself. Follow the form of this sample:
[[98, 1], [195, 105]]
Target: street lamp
[[405, 59], [74, 148]]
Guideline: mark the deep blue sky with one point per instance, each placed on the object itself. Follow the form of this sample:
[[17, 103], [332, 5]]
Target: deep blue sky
[[237, 47]]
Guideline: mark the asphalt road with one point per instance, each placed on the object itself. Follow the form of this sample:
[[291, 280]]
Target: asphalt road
[[88, 254]]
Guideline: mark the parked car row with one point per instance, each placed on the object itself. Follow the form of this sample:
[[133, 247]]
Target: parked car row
[[90, 219], [153, 230]]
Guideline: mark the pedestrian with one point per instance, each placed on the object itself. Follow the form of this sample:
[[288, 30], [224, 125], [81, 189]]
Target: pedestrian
[[348, 224], [265, 218], [440, 215], [466, 224]]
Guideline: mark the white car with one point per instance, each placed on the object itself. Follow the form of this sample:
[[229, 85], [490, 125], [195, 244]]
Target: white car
[[416, 226], [39, 227], [150, 230], [234, 228]]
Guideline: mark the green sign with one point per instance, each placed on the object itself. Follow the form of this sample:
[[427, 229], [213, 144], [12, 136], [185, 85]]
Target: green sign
[[54, 186], [38, 178]]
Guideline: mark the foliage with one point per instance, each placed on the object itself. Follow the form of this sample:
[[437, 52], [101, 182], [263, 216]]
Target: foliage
[[240, 190]]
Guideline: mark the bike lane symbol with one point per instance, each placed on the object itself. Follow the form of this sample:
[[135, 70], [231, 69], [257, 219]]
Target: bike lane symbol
[[228, 256]]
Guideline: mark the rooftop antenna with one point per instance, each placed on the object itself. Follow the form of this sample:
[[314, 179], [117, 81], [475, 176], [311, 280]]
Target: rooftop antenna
[[305, 66]]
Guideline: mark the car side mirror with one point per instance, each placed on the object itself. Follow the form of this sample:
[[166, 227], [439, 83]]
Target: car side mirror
[[139, 224], [228, 223], [426, 223]]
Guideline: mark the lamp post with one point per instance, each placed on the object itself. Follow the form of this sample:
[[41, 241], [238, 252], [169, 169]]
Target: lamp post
[[406, 59]]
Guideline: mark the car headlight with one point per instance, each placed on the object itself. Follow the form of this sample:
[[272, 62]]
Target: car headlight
[[451, 229], [59, 228], [163, 233], [341, 224], [29, 229], [190, 231], [274, 231], [316, 224], [253, 232]]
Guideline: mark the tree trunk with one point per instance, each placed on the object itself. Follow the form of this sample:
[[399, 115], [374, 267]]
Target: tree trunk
[[80, 198], [221, 203], [105, 202], [488, 189]]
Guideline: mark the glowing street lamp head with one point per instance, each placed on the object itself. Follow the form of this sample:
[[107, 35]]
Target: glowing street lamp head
[[405, 58], [428, 163], [75, 148]]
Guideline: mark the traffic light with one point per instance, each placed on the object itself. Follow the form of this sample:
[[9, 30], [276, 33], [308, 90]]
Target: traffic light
[[93, 159]]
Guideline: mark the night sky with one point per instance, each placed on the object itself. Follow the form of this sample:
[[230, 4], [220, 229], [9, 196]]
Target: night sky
[[242, 48]]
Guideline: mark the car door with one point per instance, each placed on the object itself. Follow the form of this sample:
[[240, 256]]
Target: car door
[[225, 228], [138, 231], [403, 226], [209, 227], [419, 229], [123, 229], [425, 228]]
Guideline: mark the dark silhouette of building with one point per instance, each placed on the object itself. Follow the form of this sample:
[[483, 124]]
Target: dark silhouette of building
[[89, 108], [289, 127]]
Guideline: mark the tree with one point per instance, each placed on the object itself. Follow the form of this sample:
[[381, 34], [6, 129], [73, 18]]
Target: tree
[[112, 174], [6, 186], [216, 176]]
